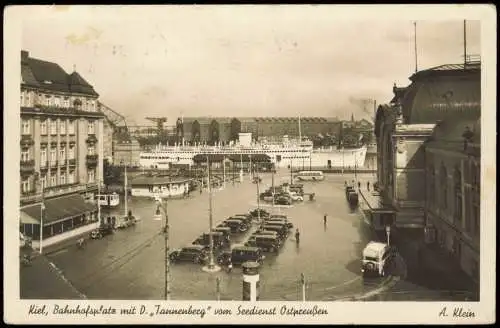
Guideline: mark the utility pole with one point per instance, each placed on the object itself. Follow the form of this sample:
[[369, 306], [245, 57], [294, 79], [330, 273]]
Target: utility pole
[[164, 207], [415, 43]]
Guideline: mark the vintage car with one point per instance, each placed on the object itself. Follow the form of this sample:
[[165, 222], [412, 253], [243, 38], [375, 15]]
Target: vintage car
[[241, 254], [295, 196], [375, 257], [236, 225], [103, 230], [283, 199], [276, 221], [219, 240], [226, 231], [193, 253], [263, 213], [125, 222], [247, 218], [266, 196], [281, 230], [267, 243]]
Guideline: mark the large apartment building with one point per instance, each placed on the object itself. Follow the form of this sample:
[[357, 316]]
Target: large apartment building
[[61, 151]]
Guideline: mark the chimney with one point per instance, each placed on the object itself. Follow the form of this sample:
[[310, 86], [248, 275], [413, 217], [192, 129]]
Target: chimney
[[24, 55]]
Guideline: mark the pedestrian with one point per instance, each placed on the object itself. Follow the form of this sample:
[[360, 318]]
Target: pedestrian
[[345, 183], [229, 266], [359, 185], [297, 236], [368, 185], [324, 219]]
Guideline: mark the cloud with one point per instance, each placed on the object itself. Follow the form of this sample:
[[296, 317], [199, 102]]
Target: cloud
[[254, 60]]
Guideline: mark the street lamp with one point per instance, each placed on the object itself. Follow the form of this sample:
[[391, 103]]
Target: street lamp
[[42, 209], [388, 233], [164, 207], [211, 267]]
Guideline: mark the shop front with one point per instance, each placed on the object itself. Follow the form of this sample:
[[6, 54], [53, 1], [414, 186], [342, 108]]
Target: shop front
[[62, 218]]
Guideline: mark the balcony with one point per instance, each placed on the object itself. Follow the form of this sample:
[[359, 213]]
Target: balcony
[[92, 139], [53, 163], [72, 162], [28, 166], [27, 198], [62, 162], [26, 141], [92, 160]]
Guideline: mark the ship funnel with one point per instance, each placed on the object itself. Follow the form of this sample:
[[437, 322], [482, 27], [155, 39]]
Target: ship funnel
[[245, 139]]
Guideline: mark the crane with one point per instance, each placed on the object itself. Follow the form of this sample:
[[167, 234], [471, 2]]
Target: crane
[[159, 121]]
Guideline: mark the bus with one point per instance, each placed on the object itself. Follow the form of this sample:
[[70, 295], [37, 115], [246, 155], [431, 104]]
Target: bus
[[310, 175]]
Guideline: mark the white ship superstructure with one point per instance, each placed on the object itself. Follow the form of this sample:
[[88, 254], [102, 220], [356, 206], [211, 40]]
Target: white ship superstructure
[[282, 154]]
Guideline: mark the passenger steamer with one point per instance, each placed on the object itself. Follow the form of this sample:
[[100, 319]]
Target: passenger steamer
[[284, 154]]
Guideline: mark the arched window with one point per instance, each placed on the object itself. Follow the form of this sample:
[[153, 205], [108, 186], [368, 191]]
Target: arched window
[[443, 179], [457, 190]]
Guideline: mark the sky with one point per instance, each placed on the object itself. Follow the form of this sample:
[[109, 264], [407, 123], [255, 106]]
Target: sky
[[171, 61]]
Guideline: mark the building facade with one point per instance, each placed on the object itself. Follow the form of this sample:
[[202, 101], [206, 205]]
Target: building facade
[[61, 150], [226, 129], [428, 160], [126, 151]]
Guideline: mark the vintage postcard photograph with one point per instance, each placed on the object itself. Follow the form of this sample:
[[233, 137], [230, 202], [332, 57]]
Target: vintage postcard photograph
[[236, 164]]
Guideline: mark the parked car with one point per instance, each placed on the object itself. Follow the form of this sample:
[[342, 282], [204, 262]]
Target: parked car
[[285, 222], [266, 196], [263, 213], [103, 230], [236, 225], [226, 231], [247, 218], [241, 254], [295, 196], [281, 230], [218, 239], [283, 200], [193, 253], [125, 222], [375, 257], [267, 243]]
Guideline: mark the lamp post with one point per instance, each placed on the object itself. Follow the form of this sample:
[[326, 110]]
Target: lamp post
[[258, 195], [388, 233], [42, 211], [164, 207], [211, 267], [224, 170]]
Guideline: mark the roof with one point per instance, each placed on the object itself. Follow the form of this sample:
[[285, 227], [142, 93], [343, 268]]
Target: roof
[[449, 134], [449, 69], [59, 208], [50, 76], [374, 246]]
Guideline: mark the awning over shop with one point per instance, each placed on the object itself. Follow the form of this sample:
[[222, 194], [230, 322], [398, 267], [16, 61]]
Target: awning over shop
[[57, 209]]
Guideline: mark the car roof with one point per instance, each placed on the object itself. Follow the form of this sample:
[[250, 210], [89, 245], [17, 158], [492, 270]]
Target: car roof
[[374, 246], [245, 248], [197, 247]]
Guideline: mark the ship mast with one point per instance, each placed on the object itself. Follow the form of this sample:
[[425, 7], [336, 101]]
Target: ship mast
[[300, 131]]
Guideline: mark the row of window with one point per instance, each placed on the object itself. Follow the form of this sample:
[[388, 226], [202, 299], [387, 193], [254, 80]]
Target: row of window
[[25, 154], [51, 181], [65, 126], [56, 101]]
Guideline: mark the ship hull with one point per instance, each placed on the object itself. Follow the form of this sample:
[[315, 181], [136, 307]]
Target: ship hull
[[330, 158]]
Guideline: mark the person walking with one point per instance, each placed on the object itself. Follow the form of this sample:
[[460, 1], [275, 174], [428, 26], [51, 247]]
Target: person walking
[[324, 219], [297, 236], [359, 185], [368, 185]]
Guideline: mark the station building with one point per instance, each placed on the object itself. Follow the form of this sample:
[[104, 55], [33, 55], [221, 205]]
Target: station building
[[428, 169], [61, 142]]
